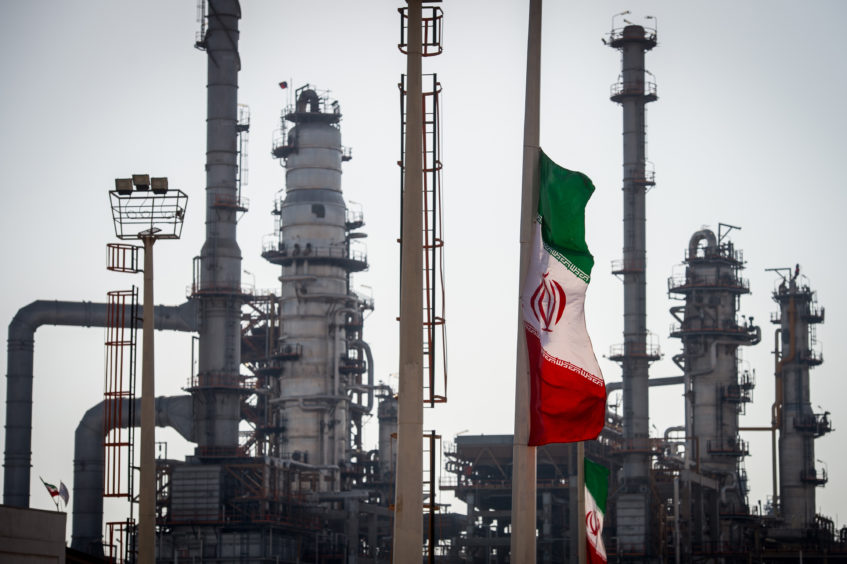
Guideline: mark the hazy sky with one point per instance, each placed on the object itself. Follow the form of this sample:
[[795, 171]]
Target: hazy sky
[[748, 130]]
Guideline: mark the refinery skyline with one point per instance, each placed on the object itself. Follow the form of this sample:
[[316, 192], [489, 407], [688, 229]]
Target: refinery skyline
[[747, 130]]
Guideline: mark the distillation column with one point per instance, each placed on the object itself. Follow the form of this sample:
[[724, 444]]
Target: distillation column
[[715, 392], [317, 397], [217, 397], [798, 425], [633, 93]]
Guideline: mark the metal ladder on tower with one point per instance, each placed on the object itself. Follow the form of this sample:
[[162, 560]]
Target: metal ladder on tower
[[434, 365], [122, 319]]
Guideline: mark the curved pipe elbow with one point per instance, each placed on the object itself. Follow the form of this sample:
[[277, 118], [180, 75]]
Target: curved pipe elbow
[[308, 98], [704, 234], [367, 348]]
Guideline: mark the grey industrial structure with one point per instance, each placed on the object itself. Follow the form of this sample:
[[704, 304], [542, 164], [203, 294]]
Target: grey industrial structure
[[681, 497], [285, 379]]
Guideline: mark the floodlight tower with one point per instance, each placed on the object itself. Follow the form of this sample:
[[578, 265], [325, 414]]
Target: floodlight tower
[[633, 92], [149, 212]]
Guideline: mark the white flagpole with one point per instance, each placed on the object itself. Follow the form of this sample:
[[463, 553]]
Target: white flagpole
[[408, 499], [523, 455], [580, 515]]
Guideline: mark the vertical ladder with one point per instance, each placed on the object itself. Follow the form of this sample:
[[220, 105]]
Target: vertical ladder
[[119, 393], [122, 320], [434, 334], [431, 446], [242, 127]]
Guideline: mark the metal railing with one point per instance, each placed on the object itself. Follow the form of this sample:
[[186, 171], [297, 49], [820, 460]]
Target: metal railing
[[646, 88], [308, 251], [728, 447], [726, 282], [649, 350]]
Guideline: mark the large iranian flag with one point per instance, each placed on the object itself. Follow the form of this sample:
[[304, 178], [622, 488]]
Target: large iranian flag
[[596, 490], [567, 393]]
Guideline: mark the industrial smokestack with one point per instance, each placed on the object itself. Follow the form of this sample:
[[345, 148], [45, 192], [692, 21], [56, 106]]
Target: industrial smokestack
[[216, 390], [633, 93]]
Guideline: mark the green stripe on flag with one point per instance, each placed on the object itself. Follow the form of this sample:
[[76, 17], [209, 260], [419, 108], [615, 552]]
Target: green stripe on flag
[[562, 197], [597, 482]]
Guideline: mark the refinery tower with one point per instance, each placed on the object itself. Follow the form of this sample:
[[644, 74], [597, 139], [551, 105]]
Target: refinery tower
[[284, 381]]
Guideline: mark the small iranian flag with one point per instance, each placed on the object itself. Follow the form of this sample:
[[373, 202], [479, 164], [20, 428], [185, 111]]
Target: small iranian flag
[[596, 489], [567, 393], [54, 491]]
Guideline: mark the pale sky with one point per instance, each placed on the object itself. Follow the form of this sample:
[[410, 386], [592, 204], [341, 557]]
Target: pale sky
[[748, 130]]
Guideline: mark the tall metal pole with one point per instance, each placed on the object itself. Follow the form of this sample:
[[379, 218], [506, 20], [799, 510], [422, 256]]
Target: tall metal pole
[[523, 455], [408, 504], [147, 479], [582, 556]]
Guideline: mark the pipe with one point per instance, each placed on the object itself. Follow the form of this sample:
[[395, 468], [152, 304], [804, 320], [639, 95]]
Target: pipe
[[309, 97], [711, 242], [19, 376], [666, 381], [367, 348], [89, 465], [731, 485]]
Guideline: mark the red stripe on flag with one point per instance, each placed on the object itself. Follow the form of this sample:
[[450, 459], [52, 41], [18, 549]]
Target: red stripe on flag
[[565, 406], [593, 557]]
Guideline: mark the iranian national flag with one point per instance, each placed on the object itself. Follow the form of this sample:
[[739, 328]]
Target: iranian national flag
[[596, 489], [567, 393], [54, 491]]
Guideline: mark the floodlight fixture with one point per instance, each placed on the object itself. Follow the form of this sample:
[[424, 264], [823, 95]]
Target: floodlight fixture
[[619, 14], [141, 181], [159, 185], [123, 186], [140, 213]]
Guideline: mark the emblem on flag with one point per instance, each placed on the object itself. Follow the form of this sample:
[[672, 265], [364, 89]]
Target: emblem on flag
[[548, 301]]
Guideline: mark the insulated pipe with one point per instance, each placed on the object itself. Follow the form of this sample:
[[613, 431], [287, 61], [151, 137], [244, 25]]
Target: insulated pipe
[[89, 466], [18, 456]]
